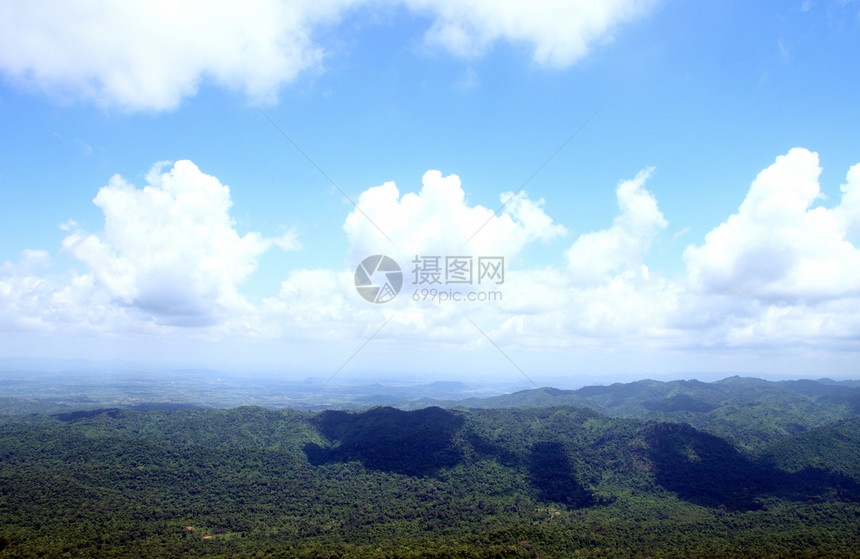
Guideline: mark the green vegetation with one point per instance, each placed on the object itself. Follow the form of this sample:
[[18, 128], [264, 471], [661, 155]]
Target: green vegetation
[[751, 413], [542, 482]]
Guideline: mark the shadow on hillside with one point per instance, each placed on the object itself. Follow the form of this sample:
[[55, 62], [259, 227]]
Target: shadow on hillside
[[413, 443], [72, 417], [486, 448], [552, 475], [707, 470]]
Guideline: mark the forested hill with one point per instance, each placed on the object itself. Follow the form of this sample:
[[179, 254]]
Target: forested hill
[[750, 412], [540, 482]]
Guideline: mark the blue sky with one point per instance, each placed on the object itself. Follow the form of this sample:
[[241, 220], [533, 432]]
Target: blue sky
[[704, 220]]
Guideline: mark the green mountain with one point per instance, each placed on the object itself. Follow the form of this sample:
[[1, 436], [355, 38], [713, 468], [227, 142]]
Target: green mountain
[[834, 447], [752, 413], [539, 482]]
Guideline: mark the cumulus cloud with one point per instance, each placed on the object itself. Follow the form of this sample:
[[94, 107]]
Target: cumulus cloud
[[434, 222], [847, 214], [170, 249], [438, 221], [605, 292], [782, 272], [778, 247], [149, 55], [598, 255]]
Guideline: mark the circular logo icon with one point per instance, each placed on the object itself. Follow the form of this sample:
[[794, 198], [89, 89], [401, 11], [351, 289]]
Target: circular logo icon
[[378, 278]]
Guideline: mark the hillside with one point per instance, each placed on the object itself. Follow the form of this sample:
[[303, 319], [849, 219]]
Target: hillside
[[751, 413], [541, 482]]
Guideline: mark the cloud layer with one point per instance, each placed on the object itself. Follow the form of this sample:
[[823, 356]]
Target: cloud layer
[[150, 55], [781, 272]]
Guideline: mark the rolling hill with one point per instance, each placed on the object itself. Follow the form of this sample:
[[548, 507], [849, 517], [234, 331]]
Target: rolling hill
[[752, 413], [549, 481]]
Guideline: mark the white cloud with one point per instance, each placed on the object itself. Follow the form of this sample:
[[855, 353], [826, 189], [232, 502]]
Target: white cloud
[[824, 325], [149, 55], [31, 300], [780, 275], [437, 221], [777, 247], [170, 250], [606, 292], [598, 255], [23, 291], [560, 32], [847, 214]]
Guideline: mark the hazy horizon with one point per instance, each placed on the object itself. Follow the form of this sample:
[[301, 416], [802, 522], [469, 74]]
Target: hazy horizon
[[35, 369]]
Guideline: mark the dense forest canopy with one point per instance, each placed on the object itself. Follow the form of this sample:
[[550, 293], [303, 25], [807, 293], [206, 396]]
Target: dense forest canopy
[[535, 481]]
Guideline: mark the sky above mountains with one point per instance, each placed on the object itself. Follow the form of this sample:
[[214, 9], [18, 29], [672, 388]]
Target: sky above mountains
[[608, 188]]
